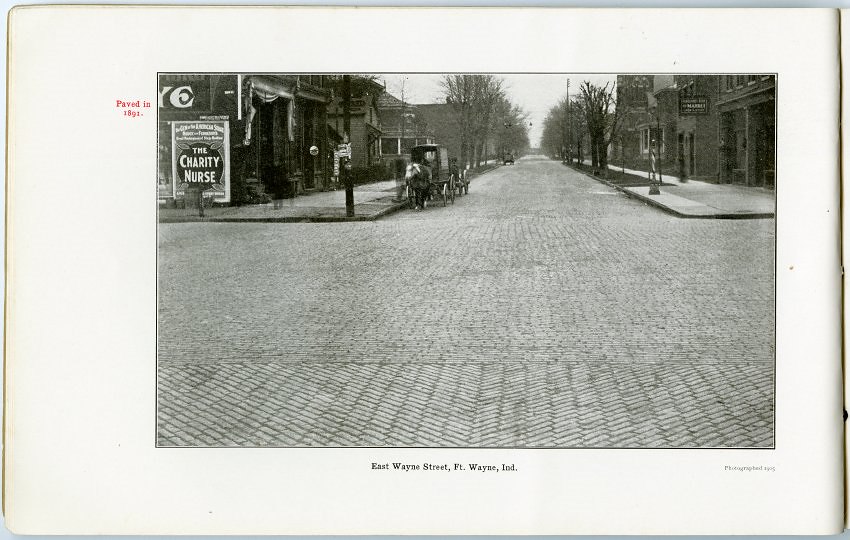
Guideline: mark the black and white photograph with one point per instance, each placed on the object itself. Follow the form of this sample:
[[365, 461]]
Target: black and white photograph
[[531, 271], [466, 260]]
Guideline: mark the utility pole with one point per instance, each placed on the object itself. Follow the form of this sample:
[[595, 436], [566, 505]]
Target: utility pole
[[403, 115], [569, 127], [400, 173], [346, 129]]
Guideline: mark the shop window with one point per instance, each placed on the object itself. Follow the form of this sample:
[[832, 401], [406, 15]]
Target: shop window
[[740, 80], [730, 82]]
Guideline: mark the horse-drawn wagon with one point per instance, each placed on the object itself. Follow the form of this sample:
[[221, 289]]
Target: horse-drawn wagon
[[431, 169]]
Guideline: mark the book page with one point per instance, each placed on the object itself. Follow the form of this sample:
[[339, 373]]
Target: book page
[[423, 271], [844, 246]]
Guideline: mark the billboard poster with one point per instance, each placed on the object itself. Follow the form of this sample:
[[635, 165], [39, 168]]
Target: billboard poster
[[182, 92], [200, 158]]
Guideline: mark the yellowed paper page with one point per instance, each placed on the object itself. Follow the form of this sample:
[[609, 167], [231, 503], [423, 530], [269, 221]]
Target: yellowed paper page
[[602, 364]]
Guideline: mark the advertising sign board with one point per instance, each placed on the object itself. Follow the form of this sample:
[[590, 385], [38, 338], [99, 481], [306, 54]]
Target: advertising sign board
[[200, 158], [344, 150], [693, 105], [185, 92]]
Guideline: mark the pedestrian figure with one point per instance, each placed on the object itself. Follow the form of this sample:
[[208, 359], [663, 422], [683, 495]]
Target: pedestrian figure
[[418, 177]]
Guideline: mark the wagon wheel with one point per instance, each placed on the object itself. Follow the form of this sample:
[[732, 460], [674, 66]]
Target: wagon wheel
[[411, 199]]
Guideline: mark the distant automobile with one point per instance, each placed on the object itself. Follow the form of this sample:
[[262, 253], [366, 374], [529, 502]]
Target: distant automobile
[[508, 159]]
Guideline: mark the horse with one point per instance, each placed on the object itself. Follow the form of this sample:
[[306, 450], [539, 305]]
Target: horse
[[418, 177]]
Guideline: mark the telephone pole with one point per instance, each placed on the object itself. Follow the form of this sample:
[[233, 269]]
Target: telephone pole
[[569, 127], [346, 130]]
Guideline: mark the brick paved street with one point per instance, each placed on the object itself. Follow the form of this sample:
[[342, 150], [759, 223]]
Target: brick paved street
[[544, 309]]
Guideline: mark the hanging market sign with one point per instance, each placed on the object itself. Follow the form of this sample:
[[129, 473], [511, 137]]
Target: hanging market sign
[[201, 158], [693, 105]]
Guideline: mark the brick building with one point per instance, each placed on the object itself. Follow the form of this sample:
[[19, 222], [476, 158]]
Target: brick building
[[402, 127], [633, 100], [441, 122], [746, 109], [715, 128], [648, 119], [698, 135]]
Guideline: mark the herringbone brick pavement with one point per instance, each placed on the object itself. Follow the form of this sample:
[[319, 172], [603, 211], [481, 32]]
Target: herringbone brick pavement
[[522, 404], [542, 310]]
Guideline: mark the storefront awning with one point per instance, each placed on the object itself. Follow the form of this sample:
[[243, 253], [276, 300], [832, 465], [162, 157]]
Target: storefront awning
[[269, 89]]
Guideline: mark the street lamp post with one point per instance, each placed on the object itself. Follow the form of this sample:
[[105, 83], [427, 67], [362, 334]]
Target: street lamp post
[[655, 157]]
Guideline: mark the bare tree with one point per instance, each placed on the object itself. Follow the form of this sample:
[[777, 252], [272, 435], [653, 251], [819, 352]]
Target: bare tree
[[476, 102], [514, 122], [555, 140], [578, 128], [459, 94], [489, 97], [600, 114]]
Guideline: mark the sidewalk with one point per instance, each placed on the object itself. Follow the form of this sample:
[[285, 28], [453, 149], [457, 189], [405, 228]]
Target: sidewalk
[[371, 201], [696, 199]]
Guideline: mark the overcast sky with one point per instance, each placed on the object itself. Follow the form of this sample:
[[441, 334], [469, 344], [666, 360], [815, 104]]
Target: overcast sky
[[536, 94]]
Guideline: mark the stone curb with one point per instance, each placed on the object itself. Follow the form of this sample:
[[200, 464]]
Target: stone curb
[[652, 202], [286, 219]]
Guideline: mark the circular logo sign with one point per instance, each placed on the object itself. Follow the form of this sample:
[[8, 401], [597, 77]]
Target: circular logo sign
[[200, 164], [314, 150]]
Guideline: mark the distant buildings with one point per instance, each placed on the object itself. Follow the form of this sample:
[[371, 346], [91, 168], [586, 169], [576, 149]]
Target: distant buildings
[[403, 128], [440, 120]]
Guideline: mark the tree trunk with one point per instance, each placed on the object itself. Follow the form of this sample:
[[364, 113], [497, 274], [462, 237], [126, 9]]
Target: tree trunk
[[594, 153], [603, 157], [463, 153]]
